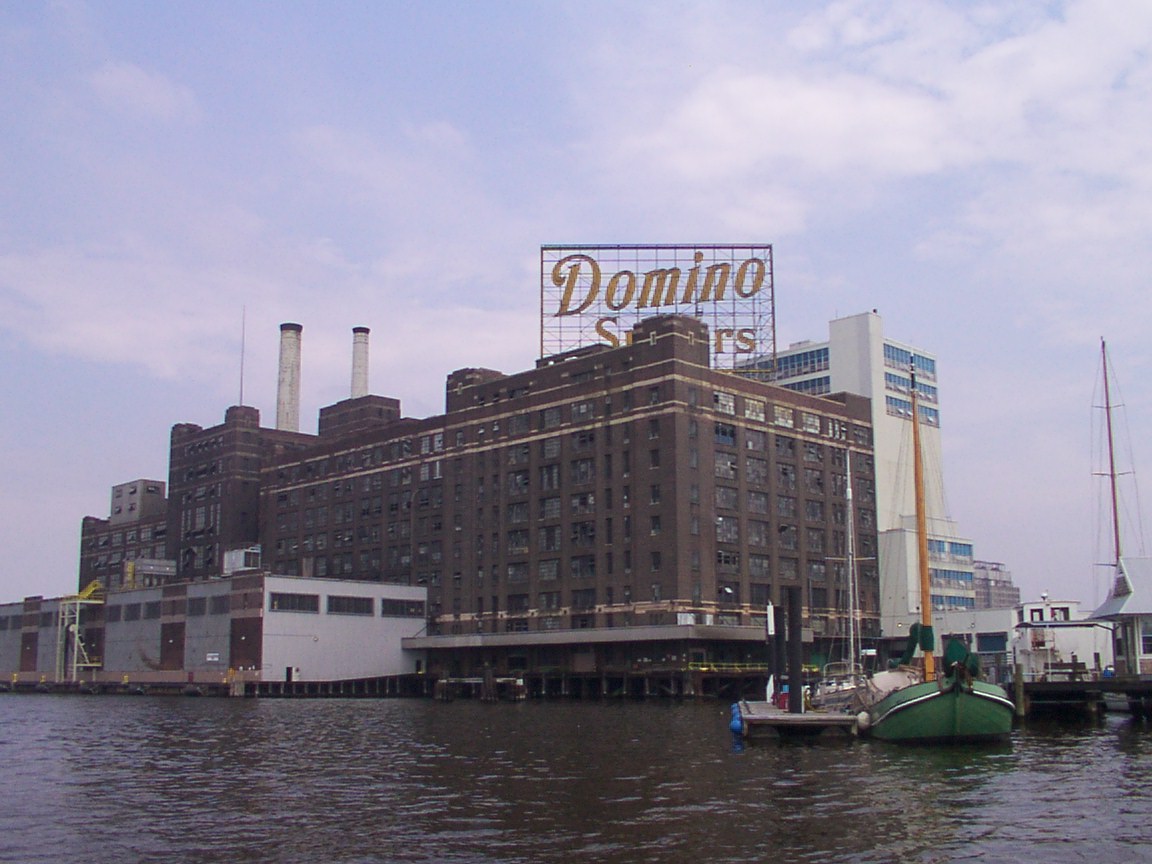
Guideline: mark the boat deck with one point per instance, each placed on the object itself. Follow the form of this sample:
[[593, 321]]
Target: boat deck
[[760, 718]]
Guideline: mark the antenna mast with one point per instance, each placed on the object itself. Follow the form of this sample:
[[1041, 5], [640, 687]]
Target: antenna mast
[[243, 323]]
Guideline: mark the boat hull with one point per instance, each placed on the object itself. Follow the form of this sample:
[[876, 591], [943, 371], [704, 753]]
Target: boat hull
[[942, 712]]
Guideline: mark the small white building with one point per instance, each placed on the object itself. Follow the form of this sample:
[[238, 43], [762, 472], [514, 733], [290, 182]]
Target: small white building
[[250, 626], [1055, 640]]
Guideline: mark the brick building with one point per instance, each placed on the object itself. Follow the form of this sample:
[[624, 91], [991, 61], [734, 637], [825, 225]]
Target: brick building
[[610, 509], [605, 490]]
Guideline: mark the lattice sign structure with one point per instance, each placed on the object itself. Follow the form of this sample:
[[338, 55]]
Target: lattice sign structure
[[596, 294]]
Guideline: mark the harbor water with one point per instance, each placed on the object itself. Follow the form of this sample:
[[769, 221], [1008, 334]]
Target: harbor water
[[175, 779]]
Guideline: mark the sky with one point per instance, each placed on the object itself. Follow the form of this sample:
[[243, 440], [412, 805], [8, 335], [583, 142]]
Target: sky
[[177, 179]]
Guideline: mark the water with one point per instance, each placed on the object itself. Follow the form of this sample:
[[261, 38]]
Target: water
[[143, 779]]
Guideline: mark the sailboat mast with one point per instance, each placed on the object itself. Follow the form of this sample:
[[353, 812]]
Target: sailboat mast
[[921, 529], [853, 585], [1111, 457]]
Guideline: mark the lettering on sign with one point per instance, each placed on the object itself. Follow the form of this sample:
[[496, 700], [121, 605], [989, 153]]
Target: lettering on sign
[[597, 294]]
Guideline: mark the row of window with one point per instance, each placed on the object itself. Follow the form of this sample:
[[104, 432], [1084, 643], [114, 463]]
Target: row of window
[[338, 604], [903, 408], [901, 358]]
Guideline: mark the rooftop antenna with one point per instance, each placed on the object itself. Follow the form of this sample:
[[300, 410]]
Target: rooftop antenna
[[243, 322]]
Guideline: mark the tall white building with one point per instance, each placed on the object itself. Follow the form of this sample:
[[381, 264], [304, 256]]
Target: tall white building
[[858, 358]]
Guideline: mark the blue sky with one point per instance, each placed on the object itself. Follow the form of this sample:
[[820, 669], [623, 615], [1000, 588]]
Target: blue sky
[[980, 173]]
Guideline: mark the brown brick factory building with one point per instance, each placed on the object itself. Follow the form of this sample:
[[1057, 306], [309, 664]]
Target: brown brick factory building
[[615, 518]]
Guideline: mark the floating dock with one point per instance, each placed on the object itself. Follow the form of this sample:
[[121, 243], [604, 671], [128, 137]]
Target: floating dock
[[763, 719]]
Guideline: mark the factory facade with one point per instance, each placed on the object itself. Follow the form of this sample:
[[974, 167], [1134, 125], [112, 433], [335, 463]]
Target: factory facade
[[612, 510]]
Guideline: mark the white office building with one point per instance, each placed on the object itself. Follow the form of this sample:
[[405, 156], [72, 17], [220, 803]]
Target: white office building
[[858, 358]]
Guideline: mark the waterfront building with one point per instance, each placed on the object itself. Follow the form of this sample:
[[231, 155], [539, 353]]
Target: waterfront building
[[859, 358], [613, 508], [610, 508], [993, 585], [263, 633], [133, 536], [214, 478], [1054, 640], [1129, 611]]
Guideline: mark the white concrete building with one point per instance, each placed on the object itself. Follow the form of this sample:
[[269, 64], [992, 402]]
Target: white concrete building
[[1054, 640], [858, 358], [263, 629]]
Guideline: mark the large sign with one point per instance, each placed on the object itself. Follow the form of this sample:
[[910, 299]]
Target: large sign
[[596, 294]]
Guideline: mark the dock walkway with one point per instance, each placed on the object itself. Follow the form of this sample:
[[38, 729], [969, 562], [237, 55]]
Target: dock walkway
[[760, 718]]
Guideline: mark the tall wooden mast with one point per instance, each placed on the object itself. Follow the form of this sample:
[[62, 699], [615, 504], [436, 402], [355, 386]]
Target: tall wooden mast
[[921, 534], [1111, 459]]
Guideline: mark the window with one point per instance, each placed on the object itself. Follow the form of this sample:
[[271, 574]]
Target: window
[[582, 471], [783, 416], [517, 482], [582, 502], [754, 410], [724, 403], [725, 434], [283, 602], [786, 477], [550, 476], [725, 466], [757, 470], [583, 566], [584, 533], [549, 538], [401, 608], [345, 605], [727, 529], [518, 542], [583, 440]]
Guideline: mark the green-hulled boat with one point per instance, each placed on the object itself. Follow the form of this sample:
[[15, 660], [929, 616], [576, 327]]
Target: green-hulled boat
[[956, 707], [945, 711]]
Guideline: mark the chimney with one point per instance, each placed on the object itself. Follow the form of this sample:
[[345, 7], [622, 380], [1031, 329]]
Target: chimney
[[359, 362], [288, 380]]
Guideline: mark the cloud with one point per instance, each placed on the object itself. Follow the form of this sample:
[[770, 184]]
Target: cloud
[[131, 90]]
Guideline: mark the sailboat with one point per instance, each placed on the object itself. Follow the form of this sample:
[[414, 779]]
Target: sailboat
[[841, 682], [953, 706]]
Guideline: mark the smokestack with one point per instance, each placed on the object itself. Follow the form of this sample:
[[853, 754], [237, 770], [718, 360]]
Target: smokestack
[[359, 362], [288, 381]]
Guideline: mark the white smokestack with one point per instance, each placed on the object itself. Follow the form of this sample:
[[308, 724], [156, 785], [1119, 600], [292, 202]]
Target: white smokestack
[[288, 381], [359, 362]]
